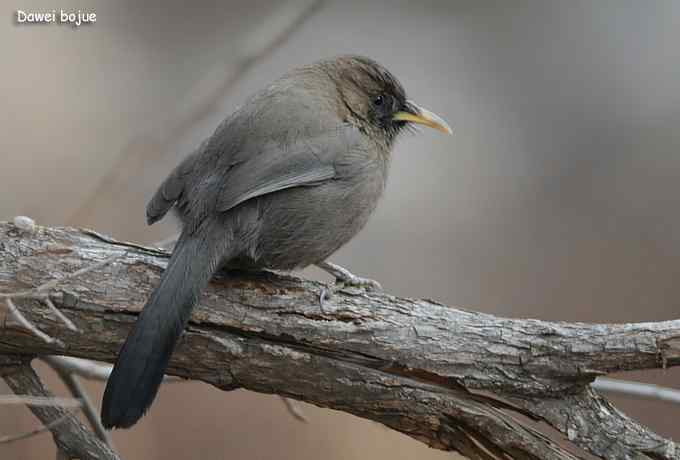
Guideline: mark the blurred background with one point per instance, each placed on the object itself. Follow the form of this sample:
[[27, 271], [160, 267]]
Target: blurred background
[[556, 198]]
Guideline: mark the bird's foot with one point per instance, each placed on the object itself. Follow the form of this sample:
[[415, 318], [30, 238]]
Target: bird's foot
[[344, 279]]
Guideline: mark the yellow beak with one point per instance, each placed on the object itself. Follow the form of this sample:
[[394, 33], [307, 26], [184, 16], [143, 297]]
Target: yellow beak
[[423, 116]]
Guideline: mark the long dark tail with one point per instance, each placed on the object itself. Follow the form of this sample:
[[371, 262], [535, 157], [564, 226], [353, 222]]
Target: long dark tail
[[142, 361]]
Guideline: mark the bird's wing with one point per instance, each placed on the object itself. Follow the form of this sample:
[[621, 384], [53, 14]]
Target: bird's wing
[[171, 189], [277, 166], [254, 170]]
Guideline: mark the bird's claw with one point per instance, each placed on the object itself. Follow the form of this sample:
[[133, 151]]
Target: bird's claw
[[343, 283], [324, 295], [358, 282], [344, 279]]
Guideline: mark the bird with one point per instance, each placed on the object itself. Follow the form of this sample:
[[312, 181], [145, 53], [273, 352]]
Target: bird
[[284, 181]]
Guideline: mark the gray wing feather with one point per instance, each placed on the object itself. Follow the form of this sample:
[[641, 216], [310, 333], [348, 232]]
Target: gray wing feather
[[165, 197], [276, 167], [270, 173], [170, 190]]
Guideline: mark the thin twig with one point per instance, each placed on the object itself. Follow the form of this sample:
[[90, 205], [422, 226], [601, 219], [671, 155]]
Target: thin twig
[[21, 319], [82, 367], [69, 324], [39, 401], [68, 368], [39, 292], [19, 436], [74, 386], [126, 244], [53, 283], [70, 435], [294, 409], [643, 390], [91, 370]]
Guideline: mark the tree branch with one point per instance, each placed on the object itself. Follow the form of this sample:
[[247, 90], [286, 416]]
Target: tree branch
[[452, 378], [71, 437], [76, 388]]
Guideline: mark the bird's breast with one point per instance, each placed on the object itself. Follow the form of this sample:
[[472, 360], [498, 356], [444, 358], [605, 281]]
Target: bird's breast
[[305, 225]]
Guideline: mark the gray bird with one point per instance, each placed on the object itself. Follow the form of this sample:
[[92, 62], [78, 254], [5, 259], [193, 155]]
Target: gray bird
[[285, 181]]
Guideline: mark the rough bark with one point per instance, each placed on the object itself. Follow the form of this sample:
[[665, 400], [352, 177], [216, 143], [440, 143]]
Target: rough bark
[[455, 379]]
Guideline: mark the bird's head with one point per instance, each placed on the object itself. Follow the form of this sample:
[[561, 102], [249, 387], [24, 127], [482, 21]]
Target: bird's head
[[373, 99]]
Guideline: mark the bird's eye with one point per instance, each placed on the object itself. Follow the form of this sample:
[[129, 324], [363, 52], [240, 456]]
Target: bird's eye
[[378, 101]]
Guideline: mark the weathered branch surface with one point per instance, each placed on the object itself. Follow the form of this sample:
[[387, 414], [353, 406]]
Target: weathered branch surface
[[452, 378]]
